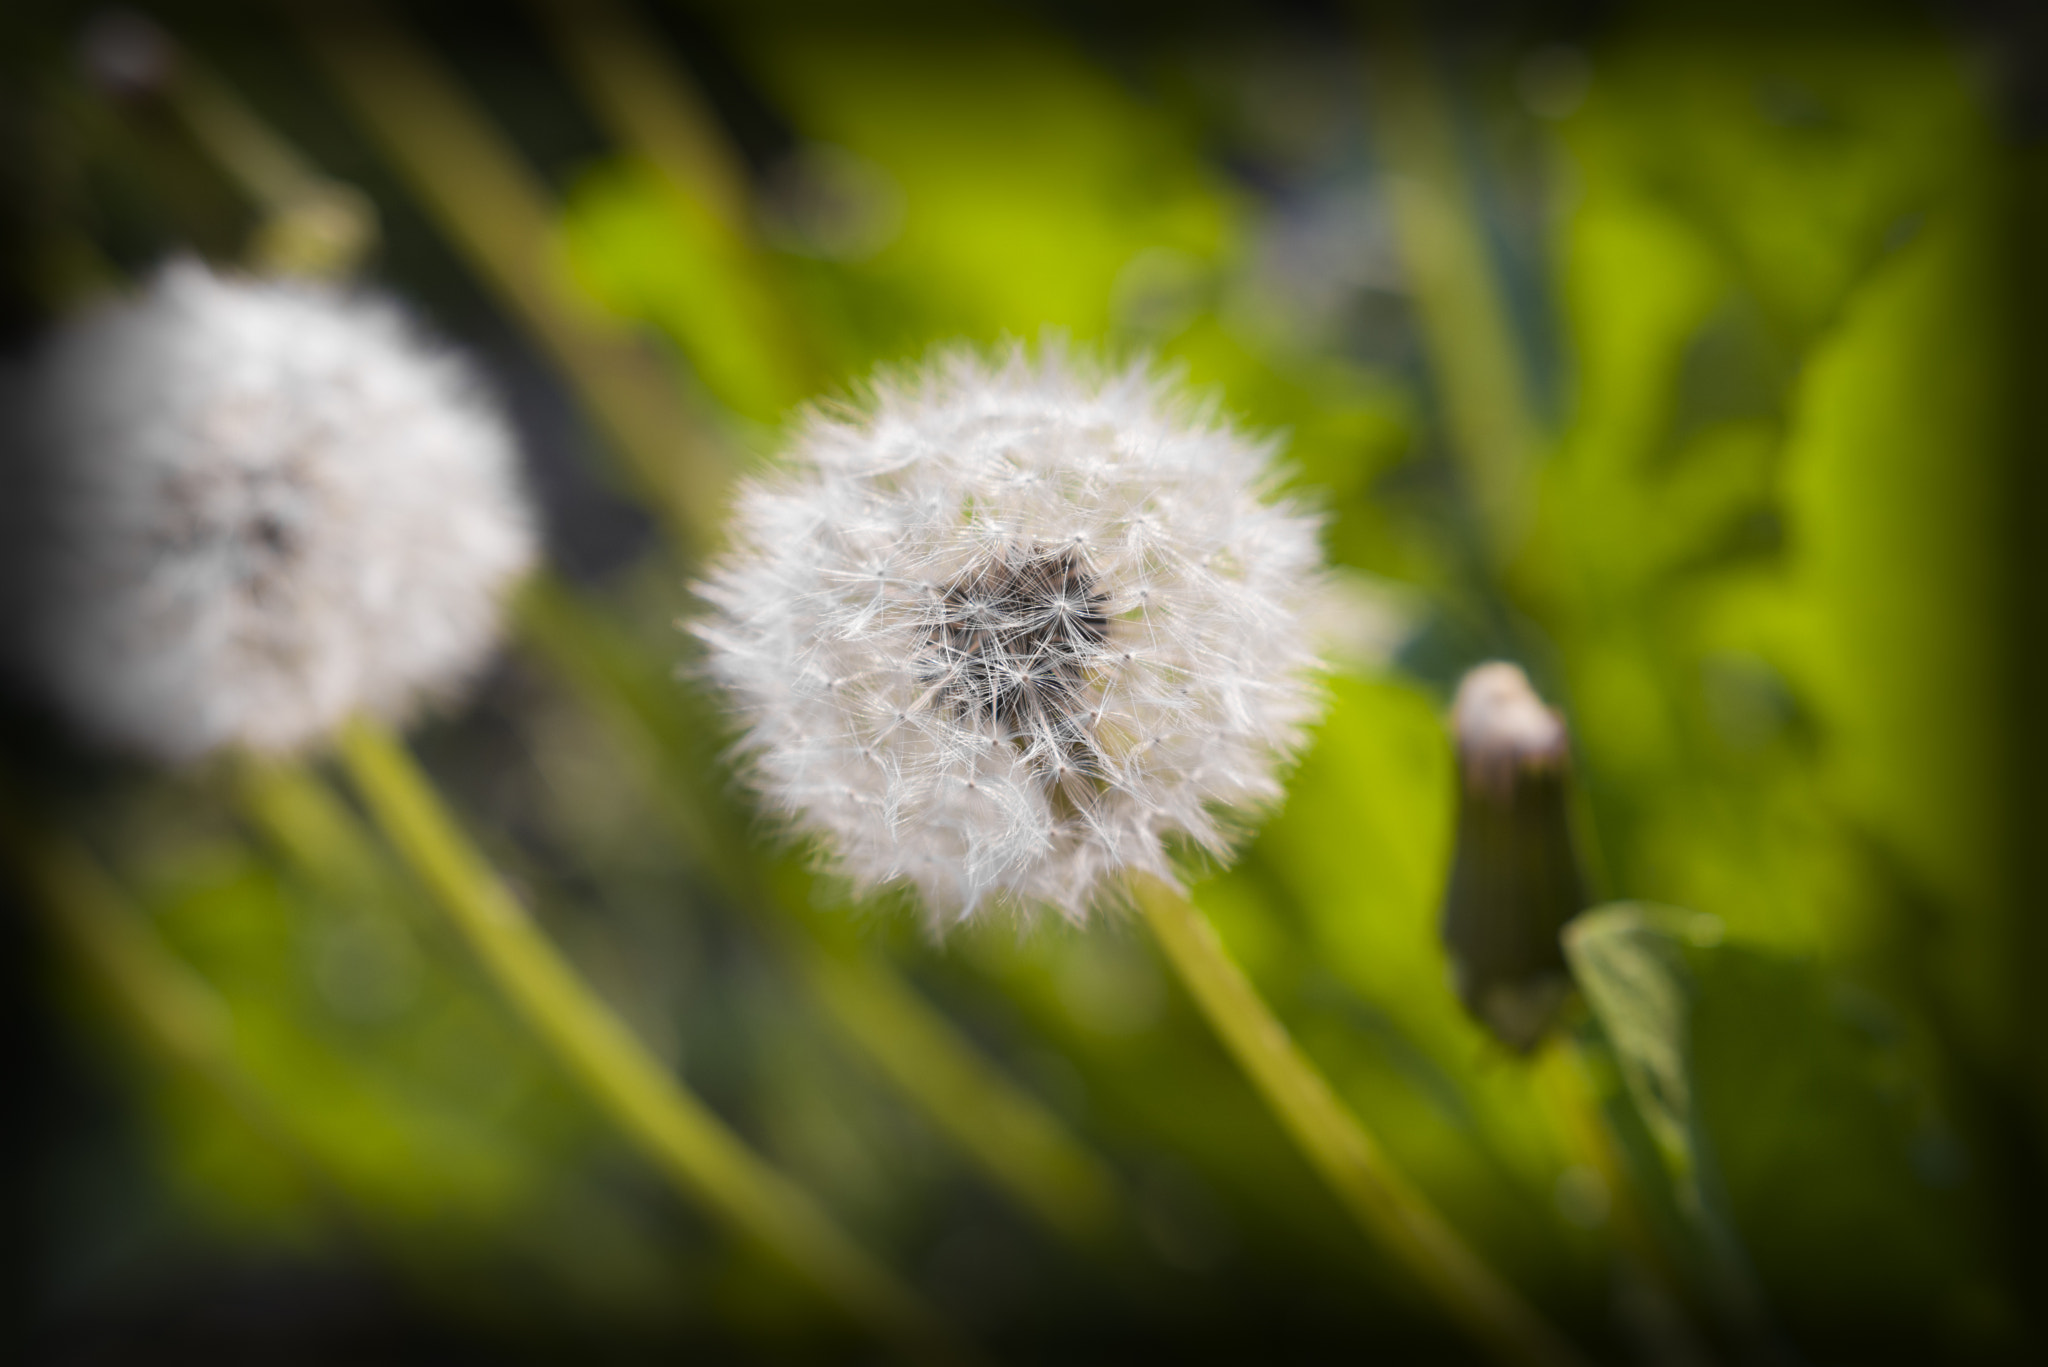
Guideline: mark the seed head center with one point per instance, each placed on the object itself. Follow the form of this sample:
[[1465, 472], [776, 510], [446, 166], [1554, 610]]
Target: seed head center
[[1011, 642]]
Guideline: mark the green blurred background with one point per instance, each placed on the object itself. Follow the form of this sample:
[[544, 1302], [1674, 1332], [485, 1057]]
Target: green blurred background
[[1684, 359]]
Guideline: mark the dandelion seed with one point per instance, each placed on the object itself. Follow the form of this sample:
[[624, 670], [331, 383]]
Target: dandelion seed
[[1080, 612], [260, 507]]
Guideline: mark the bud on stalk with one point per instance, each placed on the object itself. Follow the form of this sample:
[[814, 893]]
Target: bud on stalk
[[1515, 877]]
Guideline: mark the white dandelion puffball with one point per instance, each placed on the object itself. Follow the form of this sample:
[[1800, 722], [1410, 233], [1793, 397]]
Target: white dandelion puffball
[[1003, 632], [260, 507]]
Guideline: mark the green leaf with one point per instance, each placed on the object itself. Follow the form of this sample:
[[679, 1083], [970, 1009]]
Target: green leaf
[[1797, 1127], [1630, 964]]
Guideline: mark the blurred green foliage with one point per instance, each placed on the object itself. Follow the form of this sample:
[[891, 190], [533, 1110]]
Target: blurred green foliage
[[1760, 271]]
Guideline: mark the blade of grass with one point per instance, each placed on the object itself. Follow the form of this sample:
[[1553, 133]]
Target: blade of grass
[[649, 104], [170, 1007], [1467, 334], [652, 107], [497, 213]]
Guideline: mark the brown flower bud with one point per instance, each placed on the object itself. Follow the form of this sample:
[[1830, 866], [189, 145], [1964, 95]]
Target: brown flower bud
[[1515, 877]]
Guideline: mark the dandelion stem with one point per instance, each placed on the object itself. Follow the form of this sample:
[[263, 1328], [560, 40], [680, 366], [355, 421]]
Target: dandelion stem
[[689, 1142], [1016, 1141], [1338, 1146]]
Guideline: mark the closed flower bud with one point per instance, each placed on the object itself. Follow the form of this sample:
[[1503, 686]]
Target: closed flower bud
[[1014, 626], [1515, 877], [257, 508]]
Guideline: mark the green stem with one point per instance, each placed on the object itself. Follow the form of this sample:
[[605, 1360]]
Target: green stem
[[675, 1129], [1334, 1141], [1016, 1141]]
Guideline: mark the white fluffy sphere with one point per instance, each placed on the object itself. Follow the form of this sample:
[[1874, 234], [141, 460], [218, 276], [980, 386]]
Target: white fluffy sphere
[[1011, 627], [259, 508]]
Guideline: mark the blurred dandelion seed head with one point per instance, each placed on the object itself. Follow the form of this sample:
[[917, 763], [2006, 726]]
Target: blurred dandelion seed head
[[261, 507], [1004, 631]]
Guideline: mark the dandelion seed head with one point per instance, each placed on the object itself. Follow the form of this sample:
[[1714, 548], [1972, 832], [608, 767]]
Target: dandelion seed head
[[1014, 624], [259, 508]]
